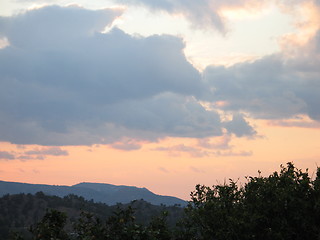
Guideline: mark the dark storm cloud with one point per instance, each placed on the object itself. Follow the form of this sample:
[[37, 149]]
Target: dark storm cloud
[[63, 82]]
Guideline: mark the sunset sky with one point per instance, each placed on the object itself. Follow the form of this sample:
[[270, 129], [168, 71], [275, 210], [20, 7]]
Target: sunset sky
[[159, 94]]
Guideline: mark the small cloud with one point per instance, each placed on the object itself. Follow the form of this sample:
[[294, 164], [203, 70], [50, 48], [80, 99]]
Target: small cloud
[[162, 169], [4, 155], [199, 152], [4, 43], [168, 150], [240, 127], [233, 154], [30, 157], [51, 151], [295, 123], [25, 157], [181, 148], [20, 146], [127, 145], [40, 157], [197, 170], [221, 143]]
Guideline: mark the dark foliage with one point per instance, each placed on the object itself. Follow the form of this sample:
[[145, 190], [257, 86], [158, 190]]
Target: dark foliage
[[284, 205], [18, 212], [51, 226]]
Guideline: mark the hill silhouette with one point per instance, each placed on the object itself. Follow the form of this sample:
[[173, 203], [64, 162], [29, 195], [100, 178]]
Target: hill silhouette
[[98, 192]]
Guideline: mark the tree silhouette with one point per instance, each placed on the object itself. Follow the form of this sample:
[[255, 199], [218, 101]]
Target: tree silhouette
[[283, 205], [51, 227]]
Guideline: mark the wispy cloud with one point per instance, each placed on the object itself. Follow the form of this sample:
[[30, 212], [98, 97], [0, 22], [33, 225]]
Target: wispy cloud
[[23, 154], [164, 170], [299, 122], [5, 155], [50, 151], [200, 152], [182, 148], [233, 154], [219, 142], [127, 145], [197, 170]]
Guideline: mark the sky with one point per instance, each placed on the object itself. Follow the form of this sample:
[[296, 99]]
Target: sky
[[160, 94]]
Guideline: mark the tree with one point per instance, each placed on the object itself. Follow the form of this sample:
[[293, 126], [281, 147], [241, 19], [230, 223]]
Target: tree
[[284, 205], [51, 227], [89, 227], [158, 228], [121, 226], [215, 213]]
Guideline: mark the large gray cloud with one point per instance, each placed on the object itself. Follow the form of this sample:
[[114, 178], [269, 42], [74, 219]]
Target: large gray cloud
[[203, 14], [200, 13], [65, 83], [209, 14], [275, 87], [54, 27]]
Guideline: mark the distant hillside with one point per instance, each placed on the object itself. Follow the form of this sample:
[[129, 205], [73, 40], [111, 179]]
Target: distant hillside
[[98, 192], [19, 211]]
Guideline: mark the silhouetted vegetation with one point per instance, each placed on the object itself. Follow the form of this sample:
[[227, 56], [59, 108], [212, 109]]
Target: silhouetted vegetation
[[20, 211], [284, 205]]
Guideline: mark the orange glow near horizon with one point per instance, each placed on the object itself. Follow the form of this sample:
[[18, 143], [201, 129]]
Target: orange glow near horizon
[[173, 170]]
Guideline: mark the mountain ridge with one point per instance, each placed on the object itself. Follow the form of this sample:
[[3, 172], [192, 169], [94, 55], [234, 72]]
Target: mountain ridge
[[98, 192]]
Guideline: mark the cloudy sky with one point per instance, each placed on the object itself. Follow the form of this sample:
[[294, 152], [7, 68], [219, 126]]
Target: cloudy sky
[[160, 94]]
